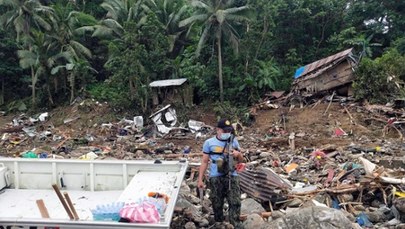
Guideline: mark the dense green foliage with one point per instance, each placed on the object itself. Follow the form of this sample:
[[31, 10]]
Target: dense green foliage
[[234, 50], [379, 80]]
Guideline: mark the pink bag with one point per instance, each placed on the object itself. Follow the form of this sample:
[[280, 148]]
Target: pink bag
[[140, 213]]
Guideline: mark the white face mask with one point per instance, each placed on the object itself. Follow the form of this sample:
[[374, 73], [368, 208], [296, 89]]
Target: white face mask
[[225, 136]]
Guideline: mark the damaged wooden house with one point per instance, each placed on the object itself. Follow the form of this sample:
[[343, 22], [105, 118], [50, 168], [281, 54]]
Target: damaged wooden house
[[171, 91], [335, 72]]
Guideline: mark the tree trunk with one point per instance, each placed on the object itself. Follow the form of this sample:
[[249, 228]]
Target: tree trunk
[[132, 88], [64, 83], [56, 84], [49, 94], [221, 86], [2, 91], [33, 83], [264, 32], [72, 87], [48, 88]]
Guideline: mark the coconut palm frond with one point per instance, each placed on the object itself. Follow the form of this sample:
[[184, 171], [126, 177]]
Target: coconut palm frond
[[202, 40], [194, 18], [81, 49]]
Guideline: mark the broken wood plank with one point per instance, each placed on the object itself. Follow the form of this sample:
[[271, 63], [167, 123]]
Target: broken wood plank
[[330, 102], [350, 115], [62, 200], [42, 209], [71, 206]]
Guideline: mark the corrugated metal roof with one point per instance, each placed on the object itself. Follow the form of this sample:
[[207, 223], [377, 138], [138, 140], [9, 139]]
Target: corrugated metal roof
[[167, 83], [322, 62], [262, 183]]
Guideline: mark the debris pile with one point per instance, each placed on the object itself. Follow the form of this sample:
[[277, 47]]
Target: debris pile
[[297, 181], [331, 158]]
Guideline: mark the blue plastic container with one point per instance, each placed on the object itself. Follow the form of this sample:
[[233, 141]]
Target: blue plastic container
[[363, 220], [107, 212]]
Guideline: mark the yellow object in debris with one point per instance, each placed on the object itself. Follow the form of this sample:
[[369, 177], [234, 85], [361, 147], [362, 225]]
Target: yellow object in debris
[[290, 167], [318, 157], [88, 156], [400, 194], [15, 142], [378, 148]]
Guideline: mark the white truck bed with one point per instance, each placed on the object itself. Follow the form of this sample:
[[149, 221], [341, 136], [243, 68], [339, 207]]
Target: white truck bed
[[88, 183], [12, 200]]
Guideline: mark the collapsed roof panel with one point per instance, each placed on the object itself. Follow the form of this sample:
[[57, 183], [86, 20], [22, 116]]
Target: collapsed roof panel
[[262, 183], [168, 83]]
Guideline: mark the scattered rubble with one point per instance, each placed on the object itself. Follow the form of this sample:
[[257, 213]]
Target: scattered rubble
[[312, 217], [331, 164]]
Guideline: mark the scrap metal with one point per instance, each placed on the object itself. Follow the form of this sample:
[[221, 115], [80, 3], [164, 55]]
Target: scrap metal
[[262, 183]]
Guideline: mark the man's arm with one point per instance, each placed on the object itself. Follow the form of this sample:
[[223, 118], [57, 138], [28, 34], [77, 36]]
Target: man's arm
[[203, 168], [237, 154]]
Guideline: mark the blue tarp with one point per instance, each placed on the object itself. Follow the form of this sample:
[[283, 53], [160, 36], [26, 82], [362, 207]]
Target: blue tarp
[[299, 72]]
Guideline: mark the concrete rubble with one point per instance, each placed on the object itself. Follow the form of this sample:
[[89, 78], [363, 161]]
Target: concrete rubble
[[289, 181]]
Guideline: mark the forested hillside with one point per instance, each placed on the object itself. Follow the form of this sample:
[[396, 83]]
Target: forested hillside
[[52, 51]]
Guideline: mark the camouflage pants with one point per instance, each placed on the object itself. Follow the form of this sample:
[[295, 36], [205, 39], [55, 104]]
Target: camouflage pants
[[219, 191]]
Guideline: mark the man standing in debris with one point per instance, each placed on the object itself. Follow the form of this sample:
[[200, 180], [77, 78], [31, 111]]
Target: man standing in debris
[[216, 150]]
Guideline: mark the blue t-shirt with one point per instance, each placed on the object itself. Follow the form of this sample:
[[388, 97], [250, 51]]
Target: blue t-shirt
[[214, 147]]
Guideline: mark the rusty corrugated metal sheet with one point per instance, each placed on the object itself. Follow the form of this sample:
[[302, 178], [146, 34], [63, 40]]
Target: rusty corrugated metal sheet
[[325, 61], [262, 183]]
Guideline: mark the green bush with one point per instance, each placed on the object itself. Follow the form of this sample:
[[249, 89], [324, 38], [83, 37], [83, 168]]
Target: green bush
[[372, 82], [232, 112], [115, 96]]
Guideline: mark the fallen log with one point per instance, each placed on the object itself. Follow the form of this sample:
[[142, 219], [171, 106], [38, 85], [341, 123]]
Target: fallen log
[[11, 129], [341, 190]]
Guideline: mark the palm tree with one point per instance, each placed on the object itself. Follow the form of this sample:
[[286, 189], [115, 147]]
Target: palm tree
[[219, 18], [75, 67], [34, 59], [170, 13], [118, 13], [25, 17], [73, 55]]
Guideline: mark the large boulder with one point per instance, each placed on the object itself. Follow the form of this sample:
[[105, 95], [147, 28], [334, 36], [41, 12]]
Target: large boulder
[[253, 221], [250, 206], [190, 210], [311, 217], [400, 205]]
